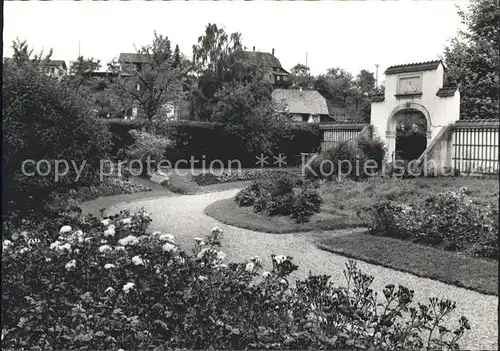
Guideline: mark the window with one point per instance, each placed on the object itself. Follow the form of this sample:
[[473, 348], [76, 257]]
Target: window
[[285, 78], [52, 70], [138, 87]]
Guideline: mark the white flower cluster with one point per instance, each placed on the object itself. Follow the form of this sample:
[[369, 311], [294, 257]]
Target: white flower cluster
[[59, 246], [6, 244], [70, 265], [128, 240], [219, 255], [279, 259]]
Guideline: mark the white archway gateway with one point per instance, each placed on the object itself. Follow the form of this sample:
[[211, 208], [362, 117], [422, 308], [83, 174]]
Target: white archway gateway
[[416, 87]]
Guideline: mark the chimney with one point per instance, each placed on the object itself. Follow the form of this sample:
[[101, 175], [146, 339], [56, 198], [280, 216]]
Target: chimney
[[273, 52], [254, 48]]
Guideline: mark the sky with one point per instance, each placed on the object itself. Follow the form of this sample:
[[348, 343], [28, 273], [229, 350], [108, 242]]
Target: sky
[[353, 35]]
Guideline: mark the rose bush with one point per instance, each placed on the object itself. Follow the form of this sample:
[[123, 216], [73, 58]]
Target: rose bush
[[109, 284], [282, 196], [450, 220]]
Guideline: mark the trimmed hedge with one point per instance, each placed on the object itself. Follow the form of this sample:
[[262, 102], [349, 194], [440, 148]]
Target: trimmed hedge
[[120, 129], [197, 139]]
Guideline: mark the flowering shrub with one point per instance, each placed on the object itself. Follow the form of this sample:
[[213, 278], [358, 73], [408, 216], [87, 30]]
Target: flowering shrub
[[108, 284], [45, 120], [450, 220], [63, 206], [279, 197], [109, 187], [147, 146], [347, 159], [208, 178]]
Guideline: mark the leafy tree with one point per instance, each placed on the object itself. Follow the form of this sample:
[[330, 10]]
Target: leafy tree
[[365, 82], [472, 60], [247, 111], [44, 119], [153, 82], [215, 50], [364, 86], [177, 57], [81, 69], [337, 85], [214, 58], [23, 54], [301, 77]]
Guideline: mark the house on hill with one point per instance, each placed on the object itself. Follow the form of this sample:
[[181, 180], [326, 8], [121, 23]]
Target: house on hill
[[303, 105], [273, 71], [135, 59], [171, 110], [55, 68]]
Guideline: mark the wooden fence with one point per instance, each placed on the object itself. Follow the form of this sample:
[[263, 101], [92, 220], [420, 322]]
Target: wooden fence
[[475, 146], [334, 133]]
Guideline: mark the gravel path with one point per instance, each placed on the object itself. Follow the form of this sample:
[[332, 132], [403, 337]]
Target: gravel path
[[183, 217]]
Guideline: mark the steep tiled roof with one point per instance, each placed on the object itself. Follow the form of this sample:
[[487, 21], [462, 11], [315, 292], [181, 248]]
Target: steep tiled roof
[[413, 67], [57, 63], [131, 58], [301, 102], [446, 92], [265, 58], [378, 98]]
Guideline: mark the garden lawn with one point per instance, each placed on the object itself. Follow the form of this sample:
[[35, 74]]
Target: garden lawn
[[227, 211], [185, 184], [350, 196], [342, 200], [448, 267]]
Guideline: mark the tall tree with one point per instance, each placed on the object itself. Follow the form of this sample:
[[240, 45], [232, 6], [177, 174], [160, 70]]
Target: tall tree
[[472, 60], [337, 85], [155, 82], [81, 69], [177, 57], [213, 57], [215, 49], [365, 82], [301, 77], [24, 54], [248, 113]]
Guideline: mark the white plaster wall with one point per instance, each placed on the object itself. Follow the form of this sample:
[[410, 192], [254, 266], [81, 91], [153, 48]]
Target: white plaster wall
[[442, 110]]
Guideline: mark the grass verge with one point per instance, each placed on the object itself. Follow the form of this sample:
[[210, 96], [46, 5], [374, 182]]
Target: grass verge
[[448, 267], [228, 212]]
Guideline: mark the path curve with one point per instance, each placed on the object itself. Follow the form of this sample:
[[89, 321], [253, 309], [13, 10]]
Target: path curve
[[183, 217]]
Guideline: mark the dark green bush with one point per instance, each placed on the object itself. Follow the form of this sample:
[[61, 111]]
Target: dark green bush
[[247, 196], [280, 196], [306, 203], [353, 159], [281, 204], [44, 119], [282, 185]]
